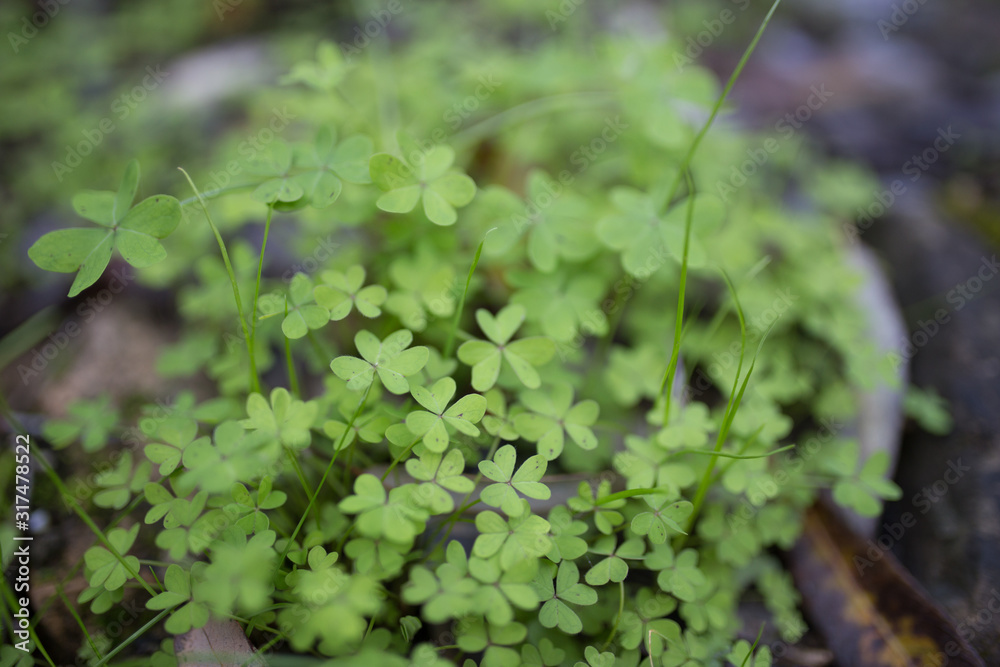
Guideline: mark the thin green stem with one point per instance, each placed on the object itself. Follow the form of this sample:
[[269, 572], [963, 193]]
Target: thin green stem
[[461, 304], [326, 473], [529, 110], [686, 162], [399, 458], [668, 378], [260, 269], [455, 516], [618, 619], [135, 635], [79, 621], [254, 378]]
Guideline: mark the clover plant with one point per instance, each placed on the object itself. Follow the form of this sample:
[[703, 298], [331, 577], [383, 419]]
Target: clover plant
[[514, 403]]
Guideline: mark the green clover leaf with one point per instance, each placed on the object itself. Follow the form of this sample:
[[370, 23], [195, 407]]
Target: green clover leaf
[[567, 590], [606, 515], [432, 181], [304, 314], [90, 422], [523, 536], [565, 533], [613, 566], [176, 435], [678, 575], [394, 517], [232, 454], [521, 356], [389, 358], [281, 186], [441, 475], [494, 641], [497, 421], [119, 483], [596, 659], [134, 231], [286, 419], [188, 613], [553, 416], [864, 491], [564, 306], [325, 73], [560, 229], [503, 493], [503, 590], [325, 163], [433, 425], [664, 517], [105, 569], [341, 293]]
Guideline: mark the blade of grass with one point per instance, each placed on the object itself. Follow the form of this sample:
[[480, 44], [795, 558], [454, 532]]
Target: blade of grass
[[686, 162], [254, 378], [461, 304], [260, 268], [668, 377]]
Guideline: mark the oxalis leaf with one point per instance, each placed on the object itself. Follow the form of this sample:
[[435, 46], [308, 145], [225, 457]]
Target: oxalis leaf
[[134, 231]]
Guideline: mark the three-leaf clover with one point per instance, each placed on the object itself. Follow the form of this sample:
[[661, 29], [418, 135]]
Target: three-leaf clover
[[325, 163], [432, 425], [664, 515], [89, 421], [105, 568], [555, 611], [553, 416], [864, 490], [439, 474], [188, 613], [521, 356], [441, 188], [613, 566], [523, 536], [285, 419], [503, 493], [679, 574], [342, 292], [135, 231], [389, 358], [304, 314], [394, 516], [176, 435]]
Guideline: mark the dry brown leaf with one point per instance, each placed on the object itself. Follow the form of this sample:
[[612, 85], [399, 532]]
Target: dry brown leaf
[[868, 607], [218, 644]]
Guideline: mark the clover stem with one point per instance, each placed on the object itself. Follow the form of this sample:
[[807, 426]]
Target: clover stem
[[399, 458], [686, 162], [326, 473], [260, 268], [254, 378], [618, 619], [461, 506]]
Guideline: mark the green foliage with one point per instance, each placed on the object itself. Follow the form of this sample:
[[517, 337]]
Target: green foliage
[[329, 502], [135, 231]]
